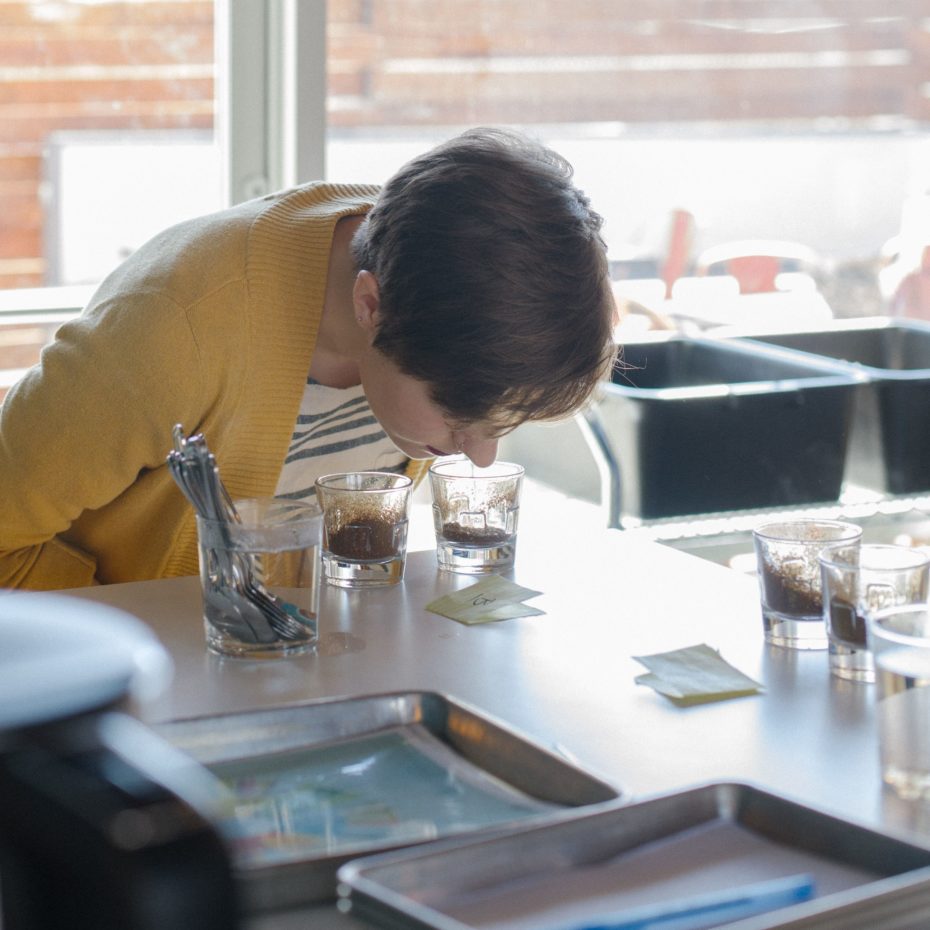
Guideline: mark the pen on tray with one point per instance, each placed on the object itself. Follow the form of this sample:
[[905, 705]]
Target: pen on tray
[[702, 911]]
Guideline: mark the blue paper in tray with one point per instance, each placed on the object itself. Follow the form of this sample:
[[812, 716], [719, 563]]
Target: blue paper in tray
[[396, 786]]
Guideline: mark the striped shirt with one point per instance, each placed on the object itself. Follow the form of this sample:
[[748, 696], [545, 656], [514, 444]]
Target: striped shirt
[[336, 431]]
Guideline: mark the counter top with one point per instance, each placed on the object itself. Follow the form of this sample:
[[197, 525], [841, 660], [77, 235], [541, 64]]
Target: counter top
[[565, 679]]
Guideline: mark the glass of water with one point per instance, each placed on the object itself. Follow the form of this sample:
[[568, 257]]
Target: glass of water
[[900, 642], [260, 579]]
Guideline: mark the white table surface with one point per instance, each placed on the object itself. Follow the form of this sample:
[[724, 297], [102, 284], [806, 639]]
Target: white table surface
[[565, 679]]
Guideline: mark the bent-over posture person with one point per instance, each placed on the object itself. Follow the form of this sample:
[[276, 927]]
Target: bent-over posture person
[[325, 328]]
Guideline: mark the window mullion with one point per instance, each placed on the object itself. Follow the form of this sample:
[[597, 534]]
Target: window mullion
[[271, 84]]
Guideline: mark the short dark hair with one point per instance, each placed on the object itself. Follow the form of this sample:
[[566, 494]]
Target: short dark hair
[[493, 279]]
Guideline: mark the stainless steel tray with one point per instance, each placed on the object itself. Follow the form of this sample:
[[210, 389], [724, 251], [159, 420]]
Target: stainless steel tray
[[481, 751], [591, 866]]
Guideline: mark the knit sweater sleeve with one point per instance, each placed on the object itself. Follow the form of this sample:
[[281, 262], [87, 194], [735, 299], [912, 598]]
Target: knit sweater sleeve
[[84, 424]]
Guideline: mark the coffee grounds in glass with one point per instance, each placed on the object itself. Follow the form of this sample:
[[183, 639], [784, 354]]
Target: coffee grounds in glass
[[472, 536], [366, 539]]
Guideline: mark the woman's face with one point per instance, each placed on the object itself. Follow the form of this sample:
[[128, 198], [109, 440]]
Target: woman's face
[[413, 421]]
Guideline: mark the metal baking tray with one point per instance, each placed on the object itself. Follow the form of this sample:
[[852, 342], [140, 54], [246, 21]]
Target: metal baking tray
[[596, 868], [307, 787]]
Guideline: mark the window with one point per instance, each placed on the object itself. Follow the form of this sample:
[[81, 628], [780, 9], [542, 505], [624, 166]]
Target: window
[[105, 109], [797, 126], [106, 136]]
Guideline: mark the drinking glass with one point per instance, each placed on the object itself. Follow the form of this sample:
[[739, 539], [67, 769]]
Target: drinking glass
[[900, 642], [787, 553], [860, 578], [475, 513], [364, 527], [260, 578]]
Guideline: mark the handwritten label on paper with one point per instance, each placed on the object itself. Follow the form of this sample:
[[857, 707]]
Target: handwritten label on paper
[[695, 675], [491, 599]]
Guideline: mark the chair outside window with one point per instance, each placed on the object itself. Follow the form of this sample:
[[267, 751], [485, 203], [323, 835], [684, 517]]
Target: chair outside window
[[758, 264]]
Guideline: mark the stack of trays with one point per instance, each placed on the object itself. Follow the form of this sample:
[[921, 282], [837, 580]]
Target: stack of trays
[[419, 811]]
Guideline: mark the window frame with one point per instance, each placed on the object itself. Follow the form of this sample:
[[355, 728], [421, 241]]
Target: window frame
[[271, 94]]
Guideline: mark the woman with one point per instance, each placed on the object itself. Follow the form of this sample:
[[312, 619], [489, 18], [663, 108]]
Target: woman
[[318, 329]]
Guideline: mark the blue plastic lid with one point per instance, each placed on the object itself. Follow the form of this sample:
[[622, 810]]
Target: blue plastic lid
[[62, 655]]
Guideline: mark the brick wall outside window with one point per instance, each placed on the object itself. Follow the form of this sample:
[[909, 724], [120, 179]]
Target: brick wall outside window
[[407, 63]]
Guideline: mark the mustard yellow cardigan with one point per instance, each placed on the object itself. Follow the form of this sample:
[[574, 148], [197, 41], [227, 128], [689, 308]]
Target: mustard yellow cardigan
[[212, 325]]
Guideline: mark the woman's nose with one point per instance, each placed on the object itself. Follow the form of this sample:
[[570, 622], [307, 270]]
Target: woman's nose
[[482, 452]]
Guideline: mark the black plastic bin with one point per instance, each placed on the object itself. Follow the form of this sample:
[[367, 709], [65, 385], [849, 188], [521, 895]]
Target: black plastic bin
[[890, 444], [703, 425]]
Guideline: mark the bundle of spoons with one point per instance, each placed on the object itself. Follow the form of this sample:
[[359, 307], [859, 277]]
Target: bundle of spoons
[[242, 606]]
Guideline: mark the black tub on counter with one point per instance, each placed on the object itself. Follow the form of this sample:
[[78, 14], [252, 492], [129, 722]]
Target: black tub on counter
[[699, 425], [890, 443]]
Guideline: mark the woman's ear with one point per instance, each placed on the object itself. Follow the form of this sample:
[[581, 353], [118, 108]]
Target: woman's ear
[[366, 301]]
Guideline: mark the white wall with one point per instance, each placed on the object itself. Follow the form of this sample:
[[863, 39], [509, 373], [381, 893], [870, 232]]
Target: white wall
[[841, 194]]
